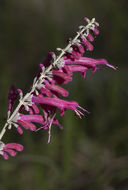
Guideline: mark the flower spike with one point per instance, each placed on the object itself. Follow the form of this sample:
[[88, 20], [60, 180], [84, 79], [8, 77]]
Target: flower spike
[[40, 104]]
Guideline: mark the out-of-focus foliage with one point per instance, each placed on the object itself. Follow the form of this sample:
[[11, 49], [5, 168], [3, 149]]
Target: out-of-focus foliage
[[91, 153]]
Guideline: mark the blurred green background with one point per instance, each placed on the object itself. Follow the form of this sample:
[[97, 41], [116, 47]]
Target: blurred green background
[[91, 153]]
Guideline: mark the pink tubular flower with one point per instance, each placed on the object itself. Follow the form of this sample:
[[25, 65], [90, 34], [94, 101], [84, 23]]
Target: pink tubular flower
[[26, 122], [61, 77], [31, 118], [76, 53], [79, 48], [44, 91], [10, 148], [86, 43], [96, 31], [27, 125], [55, 89], [90, 37], [35, 109], [89, 63], [58, 103], [67, 70]]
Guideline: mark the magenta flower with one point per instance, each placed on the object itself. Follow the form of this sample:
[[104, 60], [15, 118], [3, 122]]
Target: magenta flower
[[46, 92], [34, 109], [26, 121], [90, 37], [58, 103], [61, 77], [89, 63], [56, 90], [96, 31], [31, 118], [9, 149], [86, 43], [26, 125], [77, 51]]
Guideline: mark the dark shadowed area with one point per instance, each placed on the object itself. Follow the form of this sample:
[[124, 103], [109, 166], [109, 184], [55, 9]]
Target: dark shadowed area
[[91, 153]]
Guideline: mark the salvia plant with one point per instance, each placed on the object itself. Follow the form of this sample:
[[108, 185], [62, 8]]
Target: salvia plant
[[40, 104]]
